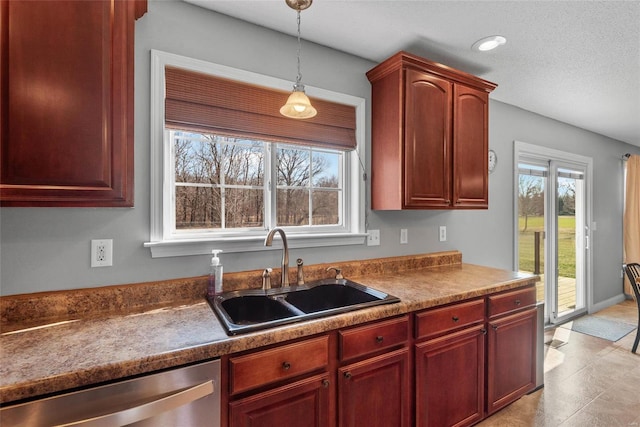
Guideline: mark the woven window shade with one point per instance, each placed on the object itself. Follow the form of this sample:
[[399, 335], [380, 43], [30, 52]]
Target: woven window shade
[[205, 103]]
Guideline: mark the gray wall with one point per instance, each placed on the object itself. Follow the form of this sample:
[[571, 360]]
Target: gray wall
[[46, 249]]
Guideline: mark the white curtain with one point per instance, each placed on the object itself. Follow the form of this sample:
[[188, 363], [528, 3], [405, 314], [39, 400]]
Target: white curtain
[[632, 216]]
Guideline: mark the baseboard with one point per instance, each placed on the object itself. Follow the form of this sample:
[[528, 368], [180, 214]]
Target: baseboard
[[607, 303]]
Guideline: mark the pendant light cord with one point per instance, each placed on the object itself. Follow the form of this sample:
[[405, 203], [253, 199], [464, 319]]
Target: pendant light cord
[[299, 77]]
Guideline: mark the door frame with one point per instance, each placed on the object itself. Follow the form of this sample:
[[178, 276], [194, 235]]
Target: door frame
[[566, 158]]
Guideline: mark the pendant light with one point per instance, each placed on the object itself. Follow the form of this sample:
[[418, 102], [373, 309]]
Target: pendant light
[[298, 105]]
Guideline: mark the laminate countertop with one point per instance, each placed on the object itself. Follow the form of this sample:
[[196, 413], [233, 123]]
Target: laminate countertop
[[77, 350]]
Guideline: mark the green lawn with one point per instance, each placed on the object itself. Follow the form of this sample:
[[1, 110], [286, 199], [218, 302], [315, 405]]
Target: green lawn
[[566, 245]]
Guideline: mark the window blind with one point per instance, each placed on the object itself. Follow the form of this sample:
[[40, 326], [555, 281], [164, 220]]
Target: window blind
[[205, 103]]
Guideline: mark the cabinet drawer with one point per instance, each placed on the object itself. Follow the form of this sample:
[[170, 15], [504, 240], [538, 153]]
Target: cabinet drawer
[[287, 361], [511, 301], [368, 339], [441, 320]]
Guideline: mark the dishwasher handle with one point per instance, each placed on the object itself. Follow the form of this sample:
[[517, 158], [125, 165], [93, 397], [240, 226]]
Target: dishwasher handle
[[147, 410]]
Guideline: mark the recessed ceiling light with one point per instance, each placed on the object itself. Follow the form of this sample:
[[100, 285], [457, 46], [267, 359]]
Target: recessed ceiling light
[[489, 43]]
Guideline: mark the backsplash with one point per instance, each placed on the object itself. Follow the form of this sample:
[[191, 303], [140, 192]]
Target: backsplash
[[31, 310]]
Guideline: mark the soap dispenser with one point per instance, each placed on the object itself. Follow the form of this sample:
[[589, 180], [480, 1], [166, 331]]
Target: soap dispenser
[[214, 286]]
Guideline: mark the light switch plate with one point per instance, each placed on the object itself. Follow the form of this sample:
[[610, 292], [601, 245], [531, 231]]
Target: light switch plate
[[373, 238], [404, 236], [443, 233]]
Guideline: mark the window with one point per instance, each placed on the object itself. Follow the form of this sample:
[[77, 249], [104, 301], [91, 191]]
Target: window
[[222, 185]]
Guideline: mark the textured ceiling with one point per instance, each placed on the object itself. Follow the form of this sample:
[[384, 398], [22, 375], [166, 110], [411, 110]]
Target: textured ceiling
[[573, 61]]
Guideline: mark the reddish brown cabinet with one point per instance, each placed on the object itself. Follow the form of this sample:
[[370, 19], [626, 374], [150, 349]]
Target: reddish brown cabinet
[[288, 385], [349, 377], [375, 391], [374, 386], [450, 379], [304, 403], [67, 102], [511, 347], [450, 365], [429, 136]]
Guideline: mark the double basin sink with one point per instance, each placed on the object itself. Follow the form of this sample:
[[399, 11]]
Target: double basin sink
[[252, 310]]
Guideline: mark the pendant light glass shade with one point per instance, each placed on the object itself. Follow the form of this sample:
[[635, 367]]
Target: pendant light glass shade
[[298, 105]]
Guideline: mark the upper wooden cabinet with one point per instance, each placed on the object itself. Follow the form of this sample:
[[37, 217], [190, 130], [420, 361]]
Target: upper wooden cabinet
[[429, 136], [67, 102]]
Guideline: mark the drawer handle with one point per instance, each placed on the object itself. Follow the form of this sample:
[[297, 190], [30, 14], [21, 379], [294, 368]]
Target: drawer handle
[[455, 318], [379, 339], [517, 302], [325, 383], [286, 366], [347, 375]]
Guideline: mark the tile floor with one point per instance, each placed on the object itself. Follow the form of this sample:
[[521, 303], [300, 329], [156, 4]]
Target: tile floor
[[588, 381]]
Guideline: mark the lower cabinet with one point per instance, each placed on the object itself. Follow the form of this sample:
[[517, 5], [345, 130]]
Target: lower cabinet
[[374, 387], [511, 370], [511, 348], [353, 377], [375, 392], [450, 379], [464, 362], [474, 357], [450, 364], [303, 403]]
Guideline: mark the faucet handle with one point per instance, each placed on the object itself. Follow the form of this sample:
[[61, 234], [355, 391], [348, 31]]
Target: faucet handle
[[338, 272], [300, 277], [266, 278]]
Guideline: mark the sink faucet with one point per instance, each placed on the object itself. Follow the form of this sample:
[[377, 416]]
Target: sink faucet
[[285, 254]]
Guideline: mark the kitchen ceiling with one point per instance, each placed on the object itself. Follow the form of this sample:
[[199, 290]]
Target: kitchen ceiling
[[573, 61]]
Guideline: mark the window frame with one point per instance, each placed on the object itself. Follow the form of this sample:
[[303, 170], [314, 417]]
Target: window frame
[[164, 243]]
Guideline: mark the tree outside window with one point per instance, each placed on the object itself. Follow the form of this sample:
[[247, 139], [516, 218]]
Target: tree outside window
[[221, 183]]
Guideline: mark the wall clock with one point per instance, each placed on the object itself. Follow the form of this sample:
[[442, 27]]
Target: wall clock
[[493, 160]]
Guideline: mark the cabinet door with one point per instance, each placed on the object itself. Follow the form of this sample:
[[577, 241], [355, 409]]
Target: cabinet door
[[450, 379], [470, 147], [375, 392], [301, 404], [67, 103], [427, 140], [511, 355]]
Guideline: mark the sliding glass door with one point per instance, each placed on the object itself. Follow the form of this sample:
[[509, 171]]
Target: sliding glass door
[[553, 228], [571, 242]]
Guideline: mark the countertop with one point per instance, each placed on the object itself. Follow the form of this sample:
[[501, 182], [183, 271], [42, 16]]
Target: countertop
[[73, 352]]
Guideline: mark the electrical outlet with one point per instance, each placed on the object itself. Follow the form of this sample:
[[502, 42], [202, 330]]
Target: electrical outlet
[[404, 236], [443, 233], [373, 238], [102, 253]]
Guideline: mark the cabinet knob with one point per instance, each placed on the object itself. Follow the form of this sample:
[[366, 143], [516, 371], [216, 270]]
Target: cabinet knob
[[286, 366], [379, 338], [455, 318], [484, 331], [347, 375], [517, 302], [325, 383], [495, 327]]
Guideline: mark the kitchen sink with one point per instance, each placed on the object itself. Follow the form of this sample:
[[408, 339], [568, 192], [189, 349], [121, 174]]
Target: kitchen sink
[[329, 296], [252, 310]]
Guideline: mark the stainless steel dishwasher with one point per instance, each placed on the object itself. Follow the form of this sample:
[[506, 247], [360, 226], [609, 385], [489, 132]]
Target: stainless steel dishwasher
[[182, 397]]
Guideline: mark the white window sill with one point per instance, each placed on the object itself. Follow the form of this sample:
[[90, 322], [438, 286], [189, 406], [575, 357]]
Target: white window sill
[[186, 247]]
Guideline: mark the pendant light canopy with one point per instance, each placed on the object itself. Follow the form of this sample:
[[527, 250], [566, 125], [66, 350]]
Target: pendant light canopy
[[298, 105]]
